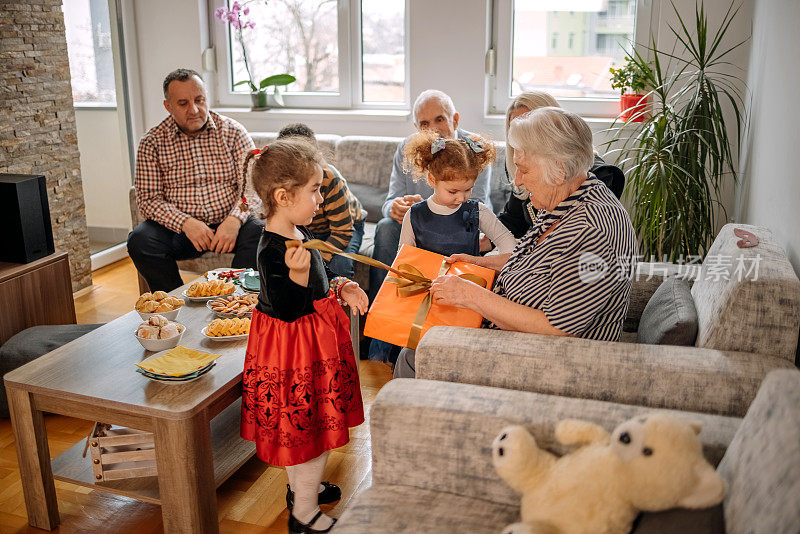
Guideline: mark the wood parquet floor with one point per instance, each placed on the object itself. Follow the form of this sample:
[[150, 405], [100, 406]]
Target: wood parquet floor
[[252, 501]]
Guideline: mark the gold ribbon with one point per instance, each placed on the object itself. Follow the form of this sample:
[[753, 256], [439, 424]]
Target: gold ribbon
[[409, 280]]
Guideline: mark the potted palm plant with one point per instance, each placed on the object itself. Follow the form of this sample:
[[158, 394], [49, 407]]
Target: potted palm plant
[[684, 150], [236, 19], [631, 79]]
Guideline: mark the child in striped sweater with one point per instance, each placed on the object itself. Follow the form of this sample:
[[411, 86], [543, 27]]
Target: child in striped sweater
[[340, 218]]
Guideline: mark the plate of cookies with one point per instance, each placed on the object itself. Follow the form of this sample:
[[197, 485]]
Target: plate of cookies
[[203, 291], [158, 302], [227, 329], [233, 305]]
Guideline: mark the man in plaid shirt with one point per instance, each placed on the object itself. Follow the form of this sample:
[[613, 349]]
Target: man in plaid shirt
[[189, 187]]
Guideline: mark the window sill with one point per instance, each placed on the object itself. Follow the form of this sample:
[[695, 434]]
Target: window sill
[[395, 115], [595, 123], [87, 106]]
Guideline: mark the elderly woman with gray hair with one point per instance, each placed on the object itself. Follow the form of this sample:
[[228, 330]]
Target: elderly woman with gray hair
[[571, 273]]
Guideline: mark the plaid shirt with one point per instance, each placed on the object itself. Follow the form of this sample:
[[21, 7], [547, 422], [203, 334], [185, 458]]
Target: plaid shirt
[[178, 176]]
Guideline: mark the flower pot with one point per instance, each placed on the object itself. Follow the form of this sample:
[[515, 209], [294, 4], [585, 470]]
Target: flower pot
[[633, 105], [259, 100]]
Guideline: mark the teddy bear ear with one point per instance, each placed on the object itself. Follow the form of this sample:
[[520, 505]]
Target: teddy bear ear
[[697, 426], [709, 491]]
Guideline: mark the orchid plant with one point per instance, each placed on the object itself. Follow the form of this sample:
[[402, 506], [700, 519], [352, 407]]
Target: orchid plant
[[236, 17]]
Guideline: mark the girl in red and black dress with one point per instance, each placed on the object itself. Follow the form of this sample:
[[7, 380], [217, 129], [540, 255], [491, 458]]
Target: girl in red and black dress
[[301, 389]]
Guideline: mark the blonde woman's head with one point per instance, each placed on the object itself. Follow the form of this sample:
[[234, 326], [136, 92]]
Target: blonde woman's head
[[523, 103]]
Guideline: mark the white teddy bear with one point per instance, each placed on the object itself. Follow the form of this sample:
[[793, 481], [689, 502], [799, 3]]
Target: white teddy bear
[[649, 463]]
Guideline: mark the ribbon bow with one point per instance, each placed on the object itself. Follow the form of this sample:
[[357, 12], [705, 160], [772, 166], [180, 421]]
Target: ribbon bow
[[476, 146], [437, 145], [257, 151], [409, 280]]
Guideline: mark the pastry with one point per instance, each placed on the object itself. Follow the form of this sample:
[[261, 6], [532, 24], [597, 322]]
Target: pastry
[[175, 302], [164, 307], [158, 301], [158, 320], [142, 299], [228, 327], [149, 306], [146, 331], [168, 331], [210, 289], [235, 305]]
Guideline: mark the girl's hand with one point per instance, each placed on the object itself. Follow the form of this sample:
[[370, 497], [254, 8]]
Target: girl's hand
[[298, 260], [474, 260], [355, 297], [451, 290], [491, 261]]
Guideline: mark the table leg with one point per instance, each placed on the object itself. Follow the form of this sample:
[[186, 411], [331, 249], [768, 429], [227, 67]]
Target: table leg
[[186, 475], [33, 455]]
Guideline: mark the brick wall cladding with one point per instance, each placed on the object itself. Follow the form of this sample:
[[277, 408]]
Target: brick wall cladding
[[37, 120]]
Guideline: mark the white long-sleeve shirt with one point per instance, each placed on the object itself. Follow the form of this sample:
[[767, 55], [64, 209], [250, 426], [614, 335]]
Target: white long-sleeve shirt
[[488, 223]]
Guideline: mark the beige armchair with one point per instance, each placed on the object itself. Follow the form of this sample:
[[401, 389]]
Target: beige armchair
[[747, 328]]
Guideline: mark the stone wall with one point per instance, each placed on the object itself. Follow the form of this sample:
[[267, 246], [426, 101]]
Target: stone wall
[[37, 120]]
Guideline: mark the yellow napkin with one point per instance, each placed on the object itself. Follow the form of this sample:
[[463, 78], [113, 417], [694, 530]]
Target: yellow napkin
[[178, 361]]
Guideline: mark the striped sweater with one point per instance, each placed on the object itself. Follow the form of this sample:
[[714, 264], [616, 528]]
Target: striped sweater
[[580, 275], [338, 212]]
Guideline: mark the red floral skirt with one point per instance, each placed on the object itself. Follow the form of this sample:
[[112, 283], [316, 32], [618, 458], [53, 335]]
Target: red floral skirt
[[301, 390]]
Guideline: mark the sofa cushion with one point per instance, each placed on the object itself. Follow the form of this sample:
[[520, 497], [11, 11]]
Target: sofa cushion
[[681, 521], [366, 160], [326, 142], [371, 199], [762, 463], [33, 342], [669, 318], [747, 299]]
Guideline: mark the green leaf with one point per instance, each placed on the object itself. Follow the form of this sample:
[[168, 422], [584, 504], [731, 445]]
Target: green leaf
[[277, 79]]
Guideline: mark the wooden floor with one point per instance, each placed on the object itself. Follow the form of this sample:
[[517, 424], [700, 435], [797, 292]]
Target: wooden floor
[[252, 500]]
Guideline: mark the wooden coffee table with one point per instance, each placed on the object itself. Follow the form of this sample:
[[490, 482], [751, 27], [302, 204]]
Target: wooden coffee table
[[195, 424]]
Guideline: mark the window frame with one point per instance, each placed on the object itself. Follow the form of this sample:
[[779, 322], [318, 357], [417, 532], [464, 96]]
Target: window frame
[[350, 95], [501, 25]]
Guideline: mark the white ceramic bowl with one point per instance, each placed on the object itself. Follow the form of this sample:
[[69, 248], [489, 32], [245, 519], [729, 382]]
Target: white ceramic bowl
[[171, 315], [156, 345]]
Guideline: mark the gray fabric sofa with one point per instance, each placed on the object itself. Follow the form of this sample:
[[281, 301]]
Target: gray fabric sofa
[[746, 328], [432, 468], [366, 164]]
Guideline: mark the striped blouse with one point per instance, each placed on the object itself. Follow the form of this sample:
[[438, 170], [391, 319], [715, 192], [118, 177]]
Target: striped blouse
[[580, 275], [337, 213]]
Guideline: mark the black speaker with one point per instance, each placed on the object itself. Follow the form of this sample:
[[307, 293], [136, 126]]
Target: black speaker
[[24, 218]]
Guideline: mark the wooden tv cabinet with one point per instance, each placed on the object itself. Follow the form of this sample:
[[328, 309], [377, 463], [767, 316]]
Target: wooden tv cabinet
[[35, 293]]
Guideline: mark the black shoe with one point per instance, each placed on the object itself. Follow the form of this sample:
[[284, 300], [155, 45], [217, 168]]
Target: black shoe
[[330, 494], [298, 527]]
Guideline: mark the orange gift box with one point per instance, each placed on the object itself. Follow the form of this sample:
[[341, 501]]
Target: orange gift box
[[391, 316]]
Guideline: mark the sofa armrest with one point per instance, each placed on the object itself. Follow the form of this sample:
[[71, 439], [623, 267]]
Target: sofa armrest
[[659, 376], [438, 435]]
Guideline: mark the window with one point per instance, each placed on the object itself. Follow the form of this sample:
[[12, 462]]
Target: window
[[91, 59], [574, 70], [311, 40]]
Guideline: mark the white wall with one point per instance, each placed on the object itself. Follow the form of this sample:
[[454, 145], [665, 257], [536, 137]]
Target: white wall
[[770, 195], [104, 168]]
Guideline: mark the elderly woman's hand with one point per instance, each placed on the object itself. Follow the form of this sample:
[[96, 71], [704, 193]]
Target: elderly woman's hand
[[452, 290]]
